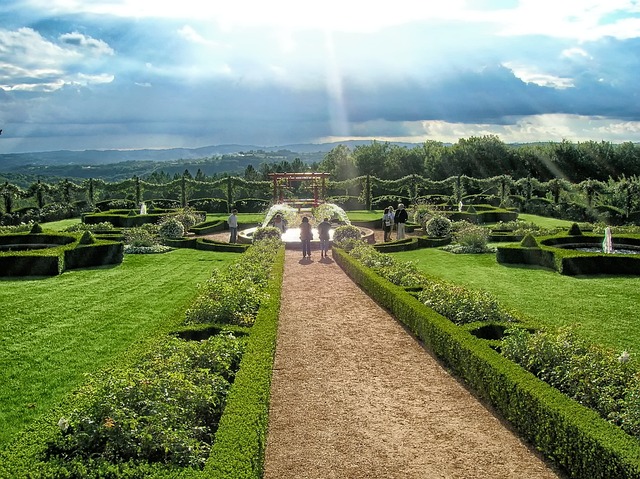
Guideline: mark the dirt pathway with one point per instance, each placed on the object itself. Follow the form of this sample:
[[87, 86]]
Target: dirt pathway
[[355, 396]]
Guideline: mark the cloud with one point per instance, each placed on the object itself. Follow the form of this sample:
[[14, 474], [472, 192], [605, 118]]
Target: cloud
[[30, 62]]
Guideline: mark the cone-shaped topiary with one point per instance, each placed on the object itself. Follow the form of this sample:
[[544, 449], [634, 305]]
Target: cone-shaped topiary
[[575, 230], [529, 241], [36, 228], [87, 238]]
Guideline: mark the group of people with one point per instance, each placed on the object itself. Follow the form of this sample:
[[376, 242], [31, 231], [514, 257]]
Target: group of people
[[397, 218], [390, 218]]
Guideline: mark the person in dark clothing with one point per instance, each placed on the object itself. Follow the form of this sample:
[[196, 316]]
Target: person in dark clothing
[[306, 235], [323, 234], [400, 219]]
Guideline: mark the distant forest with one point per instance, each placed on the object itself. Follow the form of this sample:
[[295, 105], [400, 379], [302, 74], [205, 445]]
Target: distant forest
[[476, 157]]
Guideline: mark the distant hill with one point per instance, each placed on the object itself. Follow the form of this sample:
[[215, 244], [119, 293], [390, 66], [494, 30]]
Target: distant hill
[[13, 161]]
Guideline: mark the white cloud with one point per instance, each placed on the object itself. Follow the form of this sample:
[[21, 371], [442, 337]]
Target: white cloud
[[30, 62], [529, 74], [190, 34]]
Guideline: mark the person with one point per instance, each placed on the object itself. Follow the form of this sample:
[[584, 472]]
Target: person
[[306, 235], [400, 219], [232, 221], [323, 234], [387, 224], [279, 223]]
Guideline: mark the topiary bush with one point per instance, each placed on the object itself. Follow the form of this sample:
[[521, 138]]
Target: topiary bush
[[87, 238], [36, 229]]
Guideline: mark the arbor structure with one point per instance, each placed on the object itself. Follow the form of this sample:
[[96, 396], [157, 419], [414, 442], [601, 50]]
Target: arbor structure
[[284, 180]]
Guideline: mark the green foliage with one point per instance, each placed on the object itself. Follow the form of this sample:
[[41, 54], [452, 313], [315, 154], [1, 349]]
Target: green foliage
[[163, 409], [36, 229], [87, 238], [266, 232], [142, 236], [438, 226], [171, 228], [102, 226], [346, 232], [575, 230], [529, 241], [462, 305], [470, 239], [572, 436], [598, 378], [234, 294]]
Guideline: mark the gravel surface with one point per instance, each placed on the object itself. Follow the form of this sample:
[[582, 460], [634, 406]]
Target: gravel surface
[[354, 395]]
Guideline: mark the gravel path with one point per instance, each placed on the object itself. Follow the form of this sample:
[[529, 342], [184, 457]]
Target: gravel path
[[356, 396]]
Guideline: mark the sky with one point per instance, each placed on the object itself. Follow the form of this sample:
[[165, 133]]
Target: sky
[[131, 74]]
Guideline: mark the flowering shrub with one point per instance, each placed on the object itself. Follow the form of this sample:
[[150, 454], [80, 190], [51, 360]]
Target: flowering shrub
[[22, 227], [154, 249], [165, 409], [102, 226], [189, 217], [594, 376], [234, 294], [346, 232], [171, 228], [438, 227], [461, 305], [470, 239], [267, 232], [144, 236]]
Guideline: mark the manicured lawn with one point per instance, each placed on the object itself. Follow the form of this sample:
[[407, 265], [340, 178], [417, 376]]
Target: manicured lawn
[[60, 225], [364, 215], [606, 307], [545, 222], [56, 329]]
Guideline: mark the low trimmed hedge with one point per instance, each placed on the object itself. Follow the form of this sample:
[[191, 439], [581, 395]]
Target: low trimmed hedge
[[208, 227], [238, 450], [574, 437], [67, 254], [571, 262]]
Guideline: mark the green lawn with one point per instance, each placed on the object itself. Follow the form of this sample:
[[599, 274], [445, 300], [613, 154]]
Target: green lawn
[[605, 306], [54, 330]]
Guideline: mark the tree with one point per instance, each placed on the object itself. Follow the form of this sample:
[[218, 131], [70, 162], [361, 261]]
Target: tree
[[339, 163], [371, 159]]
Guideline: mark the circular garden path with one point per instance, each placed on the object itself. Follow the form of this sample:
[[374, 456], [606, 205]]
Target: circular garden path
[[354, 395]]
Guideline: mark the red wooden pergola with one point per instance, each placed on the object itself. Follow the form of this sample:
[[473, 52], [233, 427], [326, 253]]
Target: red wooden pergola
[[282, 180]]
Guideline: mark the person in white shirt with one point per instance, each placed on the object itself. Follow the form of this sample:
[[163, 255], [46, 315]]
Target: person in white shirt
[[232, 221]]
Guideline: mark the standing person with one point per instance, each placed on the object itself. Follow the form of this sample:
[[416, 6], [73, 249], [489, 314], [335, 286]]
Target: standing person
[[279, 223], [323, 234], [400, 219], [233, 226], [306, 235], [387, 224]]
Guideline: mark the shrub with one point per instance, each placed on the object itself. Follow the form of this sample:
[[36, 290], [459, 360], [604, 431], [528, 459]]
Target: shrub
[[234, 294], [165, 409], [267, 232], [36, 228], [171, 228], [345, 232], [438, 226], [461, 305], [140, 237], [103, 226], [529, 241], [87, 238], [470, 239], [575, 230], [599, 378]]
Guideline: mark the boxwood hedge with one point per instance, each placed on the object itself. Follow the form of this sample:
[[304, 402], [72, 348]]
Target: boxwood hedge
[[569, 434]]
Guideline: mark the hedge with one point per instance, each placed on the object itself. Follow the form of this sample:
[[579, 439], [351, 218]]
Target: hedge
[[571, 435], [549, 254], [66, 254], [238, 450]]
